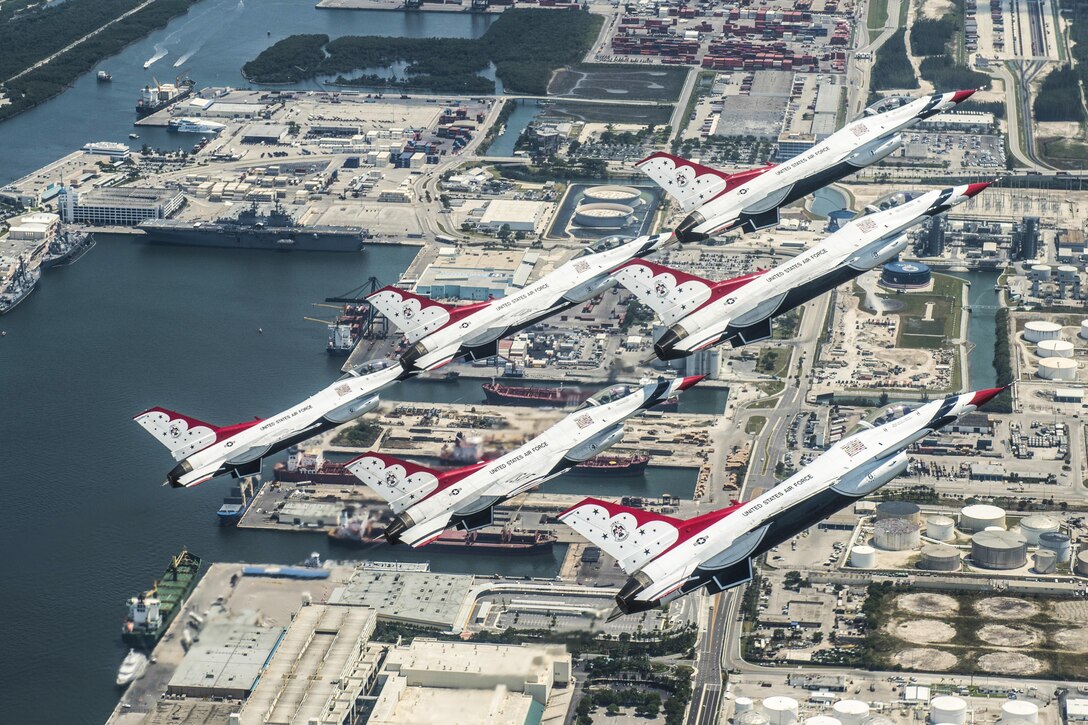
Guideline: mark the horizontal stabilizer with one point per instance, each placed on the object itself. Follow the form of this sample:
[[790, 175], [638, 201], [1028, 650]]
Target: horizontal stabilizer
[[632, 536], [731, 576], [400, 482], [762, 220], [478, 520], [753, 333]]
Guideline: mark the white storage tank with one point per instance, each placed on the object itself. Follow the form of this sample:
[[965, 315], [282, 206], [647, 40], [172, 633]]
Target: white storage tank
[[627, 195], [977, 517], [940, 528], [743, 704], [1046, 561], [1084, 329], [947, 709], [939, 558], [896, 534], [1039, 330], [863, 557], [1081, 567], [1041, 271], [1057, 542], [1020, 711], [1067, 273], [780, 710], [898, 510], [1034, 526], [1054, 348], [822, 720], [999, 550], [752, 717], [850, 712], [1057, 368]]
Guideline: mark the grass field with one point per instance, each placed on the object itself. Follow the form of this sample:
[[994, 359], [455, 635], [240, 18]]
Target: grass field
[[878, 15], [1067, 150], [773, 361], [755, 424], [629, 83], [917, 332]]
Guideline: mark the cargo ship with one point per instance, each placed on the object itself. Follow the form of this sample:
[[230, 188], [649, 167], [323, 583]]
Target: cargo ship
[[238, 501], [358, 532], [346, 329], [150, 613], [157, 97], [541, 396], [253, 229]]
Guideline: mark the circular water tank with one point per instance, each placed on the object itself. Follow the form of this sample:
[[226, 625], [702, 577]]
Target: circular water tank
[[1084, 329], [999, 550], [1058, 543], [781, 710], [940, 528], [1039, 330], [1081, 567], [1041, 271], [822, 720], [1054, 348], [877, 720], [612, 194], [947, 709], [752, 717], [898, 510], [743, 704], [863, 557], [603, 215], [994, 528], [837, 218], [1020, 711], [977, 517], [1034, 526], [1067, 273], [1046, 561], [896, 534], [1057, 368], [939, 558], [905, 275], [850, 712]]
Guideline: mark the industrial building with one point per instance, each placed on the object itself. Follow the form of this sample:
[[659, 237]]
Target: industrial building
[[427, 598], [318, 514], [516, 215], [271, 133], [906, 275], [227, 661], [120, 206], [38, 227], [473, 274]]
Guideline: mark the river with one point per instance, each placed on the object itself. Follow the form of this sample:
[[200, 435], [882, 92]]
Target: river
[[980, 327]]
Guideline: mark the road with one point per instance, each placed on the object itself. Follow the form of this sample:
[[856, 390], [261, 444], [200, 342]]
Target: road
[[1017, 109]]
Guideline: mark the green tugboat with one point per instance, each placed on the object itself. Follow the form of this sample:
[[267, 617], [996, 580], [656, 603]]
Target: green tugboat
[[150, 613]]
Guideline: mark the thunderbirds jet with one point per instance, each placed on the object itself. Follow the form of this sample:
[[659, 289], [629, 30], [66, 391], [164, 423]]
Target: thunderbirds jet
[[668, 557], [750, 200], [427, 502], [205, 451], [701, 313], [439, 333]]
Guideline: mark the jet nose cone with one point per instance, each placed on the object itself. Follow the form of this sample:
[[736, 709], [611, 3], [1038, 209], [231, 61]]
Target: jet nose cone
[[981, 397], [961, 96], [975, 189], [689, 381], [665, 347]]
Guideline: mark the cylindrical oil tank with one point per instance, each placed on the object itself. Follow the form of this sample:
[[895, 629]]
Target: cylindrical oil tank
[[947, 709], [1084, 329], [1081, 567], [1054, 348], [603, 215], [1020, 711], [1041, 271], [1058, 543], [1039, 330], [863, 557], [627, 195], [1046, 561], [999, 549], [877, 720], [781, 710], [1057, 368], [939, 558], [743, 704], [822, 720], [940, 528], [994, 528], [898, 510], [752, 717], [896, 534], [1034, 526], [1067, 273], [850, 712], [977, 517]]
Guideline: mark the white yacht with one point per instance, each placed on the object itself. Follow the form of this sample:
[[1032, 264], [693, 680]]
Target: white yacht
[[132, 668]]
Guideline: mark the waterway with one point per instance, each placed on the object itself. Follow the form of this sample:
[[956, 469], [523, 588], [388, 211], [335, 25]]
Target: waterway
[[523, 114], [980, 327]]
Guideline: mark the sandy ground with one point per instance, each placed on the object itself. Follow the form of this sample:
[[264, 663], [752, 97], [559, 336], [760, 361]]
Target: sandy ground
[[1059, 129], [1010, 663], [1004, 635], [921, 630], [1072, 639], [1006, 608], [934, 9], [923, 658], [1076, 611], [926, 603]]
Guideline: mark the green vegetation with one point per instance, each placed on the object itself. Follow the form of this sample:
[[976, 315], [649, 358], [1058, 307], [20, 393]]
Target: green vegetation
[[1065, 149], [524, 45], [995, 107], [1002, 362], [892, 68], [773, 360], [943, 72], [1059, 97], [1077, 13], [754, 425], [648, 676], [937, 43], [360, 435], [37, 34], [878, 15], [785, 326], [931, 37], [917, 332], [637, 314]]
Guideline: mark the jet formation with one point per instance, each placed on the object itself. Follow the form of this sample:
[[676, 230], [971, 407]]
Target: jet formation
[[665, 557]]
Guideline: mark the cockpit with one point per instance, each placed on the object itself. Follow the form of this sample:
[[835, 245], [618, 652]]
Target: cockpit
[[605, 244], [890, 103], [894, 412], [608, 395], [370, 366], [891, 201]]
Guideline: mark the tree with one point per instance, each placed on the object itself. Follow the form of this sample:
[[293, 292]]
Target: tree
[[792, 580]]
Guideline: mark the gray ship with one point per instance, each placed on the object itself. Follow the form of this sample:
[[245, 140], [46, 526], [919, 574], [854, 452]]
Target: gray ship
[[252, 229]]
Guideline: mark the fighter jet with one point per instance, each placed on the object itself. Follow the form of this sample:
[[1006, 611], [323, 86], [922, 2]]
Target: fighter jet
[[205, 451], [439, 333], [750, 199], [427, 502], [668, 557], [701, 313]]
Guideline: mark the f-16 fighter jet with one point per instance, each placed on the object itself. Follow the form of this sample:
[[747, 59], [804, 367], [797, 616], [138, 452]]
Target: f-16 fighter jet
[[701, 313], [668, 557], [750, 199], [439, 333], [427, 502], [205, 451]]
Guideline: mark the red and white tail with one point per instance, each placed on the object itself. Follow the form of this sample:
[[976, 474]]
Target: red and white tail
[[670, 293], [401, 483], [180, 433], [417, 316], [632, 536], [689, 183]]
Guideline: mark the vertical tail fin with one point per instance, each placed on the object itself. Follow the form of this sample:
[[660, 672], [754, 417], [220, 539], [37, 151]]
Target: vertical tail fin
[[632, 536], [179, 433], [670, 293], [401, 483], [689, 183]]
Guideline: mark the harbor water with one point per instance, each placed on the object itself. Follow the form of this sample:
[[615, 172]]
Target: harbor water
[[981, 333]]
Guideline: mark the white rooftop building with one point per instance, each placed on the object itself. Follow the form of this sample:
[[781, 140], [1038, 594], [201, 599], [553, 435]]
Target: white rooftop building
[[519, 216]]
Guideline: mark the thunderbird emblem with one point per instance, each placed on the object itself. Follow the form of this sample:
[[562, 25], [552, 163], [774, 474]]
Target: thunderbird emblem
[[619, 531], [175, 430], [661, 289], [391, 479], [407, 312]]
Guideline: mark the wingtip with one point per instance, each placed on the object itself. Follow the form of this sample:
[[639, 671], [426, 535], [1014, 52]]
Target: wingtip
[[981, 397]]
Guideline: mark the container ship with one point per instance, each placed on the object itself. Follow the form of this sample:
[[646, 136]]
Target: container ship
[[252, 229], [157, 97], [150, 613], [346, 330], [238, 501], [365, 532], [541, 396]]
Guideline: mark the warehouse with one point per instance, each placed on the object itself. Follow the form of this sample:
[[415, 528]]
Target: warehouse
[[272, 133], [477, 275], [227, 661], [436, 600], [515, 215]]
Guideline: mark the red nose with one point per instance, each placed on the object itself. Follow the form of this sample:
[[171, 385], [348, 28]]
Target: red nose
[[960, 96], [981, 397], [687, 382], [973, 189]]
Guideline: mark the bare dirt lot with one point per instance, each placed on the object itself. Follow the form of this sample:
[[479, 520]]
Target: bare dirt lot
[[1004, 635], [926, 603], [1075, 640], [1009, 663], [924, 658], [1006, 608], [921, 630]]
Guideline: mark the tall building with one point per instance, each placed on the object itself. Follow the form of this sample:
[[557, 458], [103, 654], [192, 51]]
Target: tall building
[[1025, 239], [931, 242], [120, 206]]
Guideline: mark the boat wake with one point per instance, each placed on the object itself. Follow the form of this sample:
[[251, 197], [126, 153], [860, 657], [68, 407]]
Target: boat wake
[[186, 57], [160, 53]]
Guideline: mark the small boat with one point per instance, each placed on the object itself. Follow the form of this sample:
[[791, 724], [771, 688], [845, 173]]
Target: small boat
[[104, 76], [134, 135], [132, 668]]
